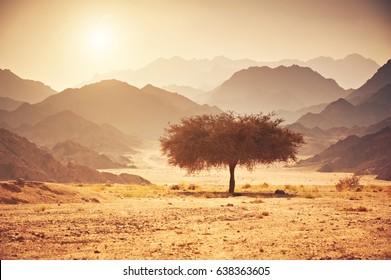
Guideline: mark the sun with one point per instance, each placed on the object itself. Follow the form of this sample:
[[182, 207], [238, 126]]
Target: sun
[[100, 38], [100, 35]]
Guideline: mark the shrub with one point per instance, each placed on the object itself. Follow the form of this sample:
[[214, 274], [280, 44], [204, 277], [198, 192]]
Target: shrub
[[246, 186], [264, 185], [193, 187], [350, 184], [291, 188], [175, 188], [40, 208]]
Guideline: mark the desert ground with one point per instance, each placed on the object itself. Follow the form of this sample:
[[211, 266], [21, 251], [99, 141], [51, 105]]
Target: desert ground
[[192, 217]]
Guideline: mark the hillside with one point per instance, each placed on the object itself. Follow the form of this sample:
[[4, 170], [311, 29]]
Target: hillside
[[342, 113], [16, 88], [119, 104], [269, 89], [77, 154], [140, 112], [369, 154], [379, 80], [66, 125], [8, 104], [351, 71], [194, 94], [20, 158], [317, 139]]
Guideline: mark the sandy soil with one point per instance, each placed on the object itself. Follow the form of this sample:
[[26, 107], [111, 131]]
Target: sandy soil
[[49, 221], [81, 223]]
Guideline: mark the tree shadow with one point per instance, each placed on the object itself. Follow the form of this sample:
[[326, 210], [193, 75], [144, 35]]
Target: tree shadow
[[206, 194]]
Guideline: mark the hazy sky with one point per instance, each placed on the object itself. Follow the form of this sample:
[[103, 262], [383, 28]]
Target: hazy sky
[[63, 42]]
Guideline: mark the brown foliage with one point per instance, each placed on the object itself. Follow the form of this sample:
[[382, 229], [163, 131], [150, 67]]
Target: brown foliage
[[206, 141]]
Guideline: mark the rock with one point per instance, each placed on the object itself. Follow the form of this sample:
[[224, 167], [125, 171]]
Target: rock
[[279, 193], [20, 182]]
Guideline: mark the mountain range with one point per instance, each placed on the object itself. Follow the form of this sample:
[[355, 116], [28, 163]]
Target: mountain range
[[369, 154], [380, 79], [95, 124], [18, 89], [141, 112], [67, 126], [371, 103], [268, 89], [20, 158], [72, 152], [206, 74], [8, 104], [340, 118]]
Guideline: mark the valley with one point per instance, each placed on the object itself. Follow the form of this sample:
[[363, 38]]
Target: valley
[[82, 174]]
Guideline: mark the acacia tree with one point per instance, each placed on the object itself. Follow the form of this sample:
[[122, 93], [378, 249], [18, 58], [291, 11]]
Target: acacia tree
[[228, 139]]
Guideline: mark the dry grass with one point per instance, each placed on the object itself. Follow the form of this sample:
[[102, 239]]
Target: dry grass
[[246, 186], [261, 190], [350, 184], [40, 208]]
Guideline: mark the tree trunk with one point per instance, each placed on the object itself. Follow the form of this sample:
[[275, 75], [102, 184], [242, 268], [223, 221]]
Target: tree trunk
[[232, 178]]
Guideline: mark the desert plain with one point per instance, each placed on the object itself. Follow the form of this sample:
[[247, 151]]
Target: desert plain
[[196, 219]]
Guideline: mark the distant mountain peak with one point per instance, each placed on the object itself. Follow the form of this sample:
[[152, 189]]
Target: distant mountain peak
[[149, 87], [108, 84], [261, 88], [339, 105]]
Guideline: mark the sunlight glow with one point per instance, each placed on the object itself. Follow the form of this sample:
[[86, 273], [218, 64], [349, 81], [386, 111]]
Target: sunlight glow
[[100, 38]]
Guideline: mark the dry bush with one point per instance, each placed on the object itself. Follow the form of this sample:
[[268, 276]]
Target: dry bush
[[175, 188], [264, 185], [40, 208], [350, 184], [246, 186], [193, 187], [98, 188], [290, 188]]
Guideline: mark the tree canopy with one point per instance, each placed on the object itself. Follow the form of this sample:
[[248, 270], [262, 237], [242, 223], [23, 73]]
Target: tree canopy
[[228, 139]]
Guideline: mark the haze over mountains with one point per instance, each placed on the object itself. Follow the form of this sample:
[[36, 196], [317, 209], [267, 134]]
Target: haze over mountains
[[206, 74], [20, 158], [369, 154], [77, 154], [266, 89], [18, 89], [67, 126], [380, 79], [98, 123], [8, 104], [135, 111], [340, 118], [142, 112], [372, 104]]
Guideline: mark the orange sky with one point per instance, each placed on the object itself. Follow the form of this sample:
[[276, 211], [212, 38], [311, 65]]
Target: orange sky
[[64, 42]]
